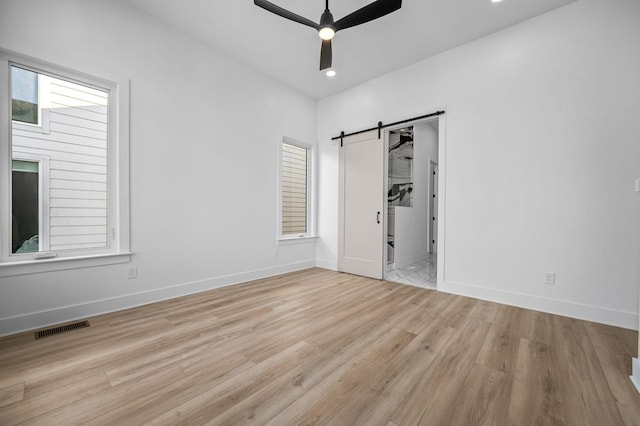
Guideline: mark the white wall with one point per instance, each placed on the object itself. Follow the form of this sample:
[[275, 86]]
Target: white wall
[[204, 138], [411, 227], [541, 154]]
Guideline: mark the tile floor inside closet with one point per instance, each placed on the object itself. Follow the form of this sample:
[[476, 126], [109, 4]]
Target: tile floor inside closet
[[420, 274]]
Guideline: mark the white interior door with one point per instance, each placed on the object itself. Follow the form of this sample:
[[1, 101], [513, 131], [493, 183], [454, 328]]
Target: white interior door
[[361, 203]]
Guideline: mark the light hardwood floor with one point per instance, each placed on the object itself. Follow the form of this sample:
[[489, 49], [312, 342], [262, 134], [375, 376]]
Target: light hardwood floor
[[321, 347]]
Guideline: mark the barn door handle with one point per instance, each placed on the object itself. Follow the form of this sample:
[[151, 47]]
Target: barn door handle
[[378, 217]]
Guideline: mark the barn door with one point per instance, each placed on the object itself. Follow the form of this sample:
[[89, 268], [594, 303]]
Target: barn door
[[361, 203]]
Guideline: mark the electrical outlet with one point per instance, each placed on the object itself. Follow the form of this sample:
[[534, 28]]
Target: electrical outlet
[[638, 185], [550, 278], [132, 272]]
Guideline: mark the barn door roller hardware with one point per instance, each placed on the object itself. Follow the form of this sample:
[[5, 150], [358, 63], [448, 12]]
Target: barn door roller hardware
[[384, 126]]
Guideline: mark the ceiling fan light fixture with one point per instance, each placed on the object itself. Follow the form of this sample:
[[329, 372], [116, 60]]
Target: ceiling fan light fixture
[[326, 33], [326, 30], [327, 27]]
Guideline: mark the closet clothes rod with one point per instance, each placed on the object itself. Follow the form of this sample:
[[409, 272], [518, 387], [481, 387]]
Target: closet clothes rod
[[384, 126]]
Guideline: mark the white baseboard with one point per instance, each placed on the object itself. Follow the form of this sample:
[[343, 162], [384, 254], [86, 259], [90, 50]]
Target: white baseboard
[[35, 320], [635, 375], [327, 264], [597, 314]]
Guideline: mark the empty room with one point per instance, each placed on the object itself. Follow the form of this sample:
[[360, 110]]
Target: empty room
[[343, 212]]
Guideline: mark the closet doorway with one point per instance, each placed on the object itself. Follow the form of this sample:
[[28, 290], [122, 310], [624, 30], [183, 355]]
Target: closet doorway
[[412, 204]]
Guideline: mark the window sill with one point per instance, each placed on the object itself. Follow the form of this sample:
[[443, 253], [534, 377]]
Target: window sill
[[10, 269], [284, 241]]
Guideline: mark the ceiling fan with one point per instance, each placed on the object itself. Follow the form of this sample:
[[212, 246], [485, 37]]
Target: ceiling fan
[[327, 27]]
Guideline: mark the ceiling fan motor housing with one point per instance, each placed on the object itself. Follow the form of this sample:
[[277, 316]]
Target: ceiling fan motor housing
[[326, 20]]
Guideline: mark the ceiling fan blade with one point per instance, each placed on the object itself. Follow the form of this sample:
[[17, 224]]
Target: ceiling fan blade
[[285, 13], [372, 11], [325, 55]]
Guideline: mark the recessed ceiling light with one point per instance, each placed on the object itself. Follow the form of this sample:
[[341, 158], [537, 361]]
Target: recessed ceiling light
[[496, 1], [331, 73]]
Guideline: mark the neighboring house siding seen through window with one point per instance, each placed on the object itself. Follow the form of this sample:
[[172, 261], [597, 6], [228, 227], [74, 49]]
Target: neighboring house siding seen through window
[[62, 196], [295, 190], [76, 146]]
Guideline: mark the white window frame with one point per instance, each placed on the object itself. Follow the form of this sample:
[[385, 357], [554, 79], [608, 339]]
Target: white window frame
[[118, 250], [311, 191]]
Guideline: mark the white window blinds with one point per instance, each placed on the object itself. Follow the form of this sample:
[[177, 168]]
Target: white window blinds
[[294, 189]]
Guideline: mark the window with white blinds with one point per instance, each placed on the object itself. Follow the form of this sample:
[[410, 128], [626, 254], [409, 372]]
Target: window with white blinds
[[295, 190]]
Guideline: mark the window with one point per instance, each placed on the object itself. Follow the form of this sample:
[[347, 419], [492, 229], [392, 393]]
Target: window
[[66, 141], [295, 190], [29, 202], [24, 95], [25, 205]]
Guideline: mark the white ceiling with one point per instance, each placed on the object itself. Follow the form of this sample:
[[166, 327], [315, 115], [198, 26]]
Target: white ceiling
[[290, 52]]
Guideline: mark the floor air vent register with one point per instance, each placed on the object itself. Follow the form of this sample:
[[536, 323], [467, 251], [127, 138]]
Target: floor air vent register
[[61, 329]]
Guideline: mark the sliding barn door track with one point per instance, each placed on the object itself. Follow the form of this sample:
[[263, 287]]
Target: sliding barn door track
[[61, 329]]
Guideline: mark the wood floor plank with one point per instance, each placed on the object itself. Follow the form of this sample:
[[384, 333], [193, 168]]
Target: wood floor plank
[[615, 348], [275, 398], [84, 410], [544, 330], [419, 317], [537, 395], [68, 354], [358, 397], [400, 376], [582, 370], [143, 408], [11, 394], [330, 338], [264, 404], [51, 397], [485, 311], [481, 399], [310, 327], [457, 310], [500, 349], [443, 378], [322, 347], [218, 399], [319, 405], [517, 322], [439, 301]]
